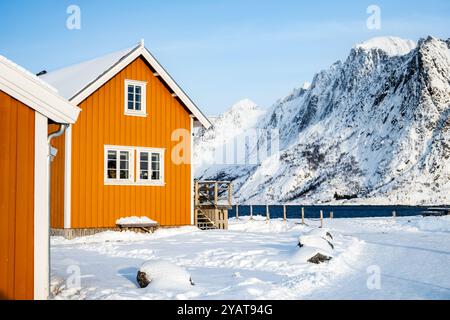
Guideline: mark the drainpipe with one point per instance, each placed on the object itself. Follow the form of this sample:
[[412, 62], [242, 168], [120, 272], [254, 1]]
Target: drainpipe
[[50, 157]]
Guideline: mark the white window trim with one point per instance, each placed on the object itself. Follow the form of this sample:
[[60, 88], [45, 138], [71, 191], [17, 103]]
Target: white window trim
[[143, 111], [119, 182], [161, 180]]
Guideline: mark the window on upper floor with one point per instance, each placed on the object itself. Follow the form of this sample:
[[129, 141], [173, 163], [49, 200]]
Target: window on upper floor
[[135, 98]]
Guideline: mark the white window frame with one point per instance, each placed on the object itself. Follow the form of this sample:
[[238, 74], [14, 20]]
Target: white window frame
[[143, 111], [150, 151], [131, 161]]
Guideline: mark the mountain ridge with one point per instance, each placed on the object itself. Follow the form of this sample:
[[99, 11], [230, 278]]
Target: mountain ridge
[[375, 126]]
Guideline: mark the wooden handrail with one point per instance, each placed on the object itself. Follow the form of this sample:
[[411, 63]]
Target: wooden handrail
[[213, 193]]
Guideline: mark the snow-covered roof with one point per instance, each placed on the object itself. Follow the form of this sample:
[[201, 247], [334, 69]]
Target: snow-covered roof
[[70, 80], [393, 46], [24, 86], [78, 81]]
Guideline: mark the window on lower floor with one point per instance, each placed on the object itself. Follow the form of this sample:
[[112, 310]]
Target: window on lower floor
[[119, 164], [150, 165]]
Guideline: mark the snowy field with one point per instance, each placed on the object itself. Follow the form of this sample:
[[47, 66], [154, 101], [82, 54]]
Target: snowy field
[[373, 258]]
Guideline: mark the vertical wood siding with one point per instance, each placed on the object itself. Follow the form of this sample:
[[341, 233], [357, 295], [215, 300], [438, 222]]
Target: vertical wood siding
[[57, 183], [16, 199], [102, 122]]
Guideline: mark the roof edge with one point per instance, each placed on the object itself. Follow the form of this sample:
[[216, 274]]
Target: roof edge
[[35, 93], [141, 50]]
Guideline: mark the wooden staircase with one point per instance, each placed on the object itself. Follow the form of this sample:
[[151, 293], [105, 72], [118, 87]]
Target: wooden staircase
[[213, 199], [203, 222]]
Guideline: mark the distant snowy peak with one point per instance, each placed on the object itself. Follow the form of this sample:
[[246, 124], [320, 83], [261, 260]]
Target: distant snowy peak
[[241, 115], [243, 105], [306, 85], [392, 46]]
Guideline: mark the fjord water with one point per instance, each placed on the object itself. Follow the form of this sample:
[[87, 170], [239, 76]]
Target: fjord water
[[339, 211]]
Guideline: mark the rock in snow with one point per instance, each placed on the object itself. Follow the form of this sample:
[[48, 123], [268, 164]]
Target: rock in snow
[[162, 274], [315, 247], [375, 126]]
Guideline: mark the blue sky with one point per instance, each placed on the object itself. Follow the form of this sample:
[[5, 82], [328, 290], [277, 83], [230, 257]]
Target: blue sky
[[218, 51]]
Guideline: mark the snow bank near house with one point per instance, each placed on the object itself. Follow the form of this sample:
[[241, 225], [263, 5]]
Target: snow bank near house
[[125, 236], [135, 220], [162, 274]]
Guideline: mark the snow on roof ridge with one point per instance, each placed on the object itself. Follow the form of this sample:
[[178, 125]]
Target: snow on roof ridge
[[70, 80], [393, 46], [27, 73]]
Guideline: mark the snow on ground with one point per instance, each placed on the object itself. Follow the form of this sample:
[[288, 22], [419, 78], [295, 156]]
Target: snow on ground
[[259, 260]]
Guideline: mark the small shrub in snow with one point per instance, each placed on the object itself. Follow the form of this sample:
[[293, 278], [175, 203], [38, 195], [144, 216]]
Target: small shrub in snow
[[163, 274]]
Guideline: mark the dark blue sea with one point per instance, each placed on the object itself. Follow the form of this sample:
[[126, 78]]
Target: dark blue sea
[[294, 211]]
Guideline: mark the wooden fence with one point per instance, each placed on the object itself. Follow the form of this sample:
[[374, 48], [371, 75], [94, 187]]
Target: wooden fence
[[301, 213]]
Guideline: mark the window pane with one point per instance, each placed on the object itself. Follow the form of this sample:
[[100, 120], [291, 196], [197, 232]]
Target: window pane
[[144, 156], [112, 159], [155, 175], [138, 89], [130, 105], [155, 162], [112, 164], [138, 106], [130, 89], [124, 155], [112, 174], [138, 98], [144, 175], [155, 166], [112, 154], [130, 97], [123, 174]]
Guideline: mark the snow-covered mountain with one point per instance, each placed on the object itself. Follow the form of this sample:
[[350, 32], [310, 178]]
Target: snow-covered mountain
[[242, 116], [374, 128]]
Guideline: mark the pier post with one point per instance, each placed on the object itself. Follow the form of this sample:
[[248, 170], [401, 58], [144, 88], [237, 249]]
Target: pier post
[[284, 213], [303, 215], [267, 213], [251, 212], [331, 215], [321, 218], [237, 211]]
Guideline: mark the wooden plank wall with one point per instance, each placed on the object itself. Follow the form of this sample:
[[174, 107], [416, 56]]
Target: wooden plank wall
[[16, 199], [102, 122], [57, 176]]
